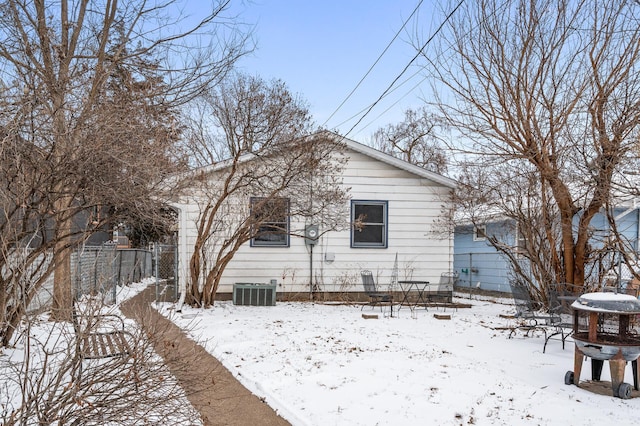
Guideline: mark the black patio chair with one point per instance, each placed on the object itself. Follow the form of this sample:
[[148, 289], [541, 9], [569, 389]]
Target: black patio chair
[[445, 286], [560, 297], [376, 297], [531, 316]]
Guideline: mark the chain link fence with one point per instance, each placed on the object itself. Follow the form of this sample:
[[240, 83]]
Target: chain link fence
[[482, 271], [98, 271], [29, 273], [101, 269], [166, 272], [132, 265], [94, 272]]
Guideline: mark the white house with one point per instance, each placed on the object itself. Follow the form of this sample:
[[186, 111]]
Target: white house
[[406, 226]]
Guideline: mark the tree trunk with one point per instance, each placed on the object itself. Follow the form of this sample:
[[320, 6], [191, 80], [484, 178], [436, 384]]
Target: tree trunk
[[62, 307]]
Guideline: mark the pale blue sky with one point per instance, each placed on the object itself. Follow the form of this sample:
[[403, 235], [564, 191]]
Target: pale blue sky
[[322, 49]]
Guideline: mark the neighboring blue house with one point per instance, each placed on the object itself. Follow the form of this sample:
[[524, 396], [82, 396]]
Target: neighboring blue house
[[479, 265]]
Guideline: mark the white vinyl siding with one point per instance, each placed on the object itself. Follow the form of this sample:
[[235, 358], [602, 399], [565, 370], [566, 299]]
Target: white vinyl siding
[[415, 232]]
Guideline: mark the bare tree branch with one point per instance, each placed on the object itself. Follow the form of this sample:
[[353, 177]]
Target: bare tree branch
[[548, 95], [91, 109]]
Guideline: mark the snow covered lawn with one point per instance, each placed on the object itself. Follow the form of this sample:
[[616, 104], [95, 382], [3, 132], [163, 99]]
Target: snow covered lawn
[[40, 370], [323, 364]]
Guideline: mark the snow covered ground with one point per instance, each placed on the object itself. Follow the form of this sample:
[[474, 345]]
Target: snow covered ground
[[41, 378], [323, 364]]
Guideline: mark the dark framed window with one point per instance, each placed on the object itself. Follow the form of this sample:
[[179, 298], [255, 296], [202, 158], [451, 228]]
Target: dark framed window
[[270, 222], [369, 224], [480, 233]]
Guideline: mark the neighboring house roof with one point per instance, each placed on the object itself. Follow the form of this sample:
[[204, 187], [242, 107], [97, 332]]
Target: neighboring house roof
[[464, 219], [493, 215], [362, 149]]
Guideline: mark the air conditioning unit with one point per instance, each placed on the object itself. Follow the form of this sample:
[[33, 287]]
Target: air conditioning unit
[[252, 294]]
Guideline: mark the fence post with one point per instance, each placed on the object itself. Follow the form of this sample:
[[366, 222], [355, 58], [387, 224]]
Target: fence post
[[155, 272], [175, 271], [78, 277], [470, 274], [134, 272], [119, 266], [94, 284], [112, 262]]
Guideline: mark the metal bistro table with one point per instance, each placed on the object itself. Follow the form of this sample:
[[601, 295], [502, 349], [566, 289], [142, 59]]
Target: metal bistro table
[[409, 287]]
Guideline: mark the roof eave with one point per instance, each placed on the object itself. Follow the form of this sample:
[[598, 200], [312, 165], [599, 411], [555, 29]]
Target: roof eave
[[401, 164]]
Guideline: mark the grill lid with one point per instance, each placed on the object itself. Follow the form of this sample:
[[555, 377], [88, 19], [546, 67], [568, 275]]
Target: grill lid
[[607, 303]]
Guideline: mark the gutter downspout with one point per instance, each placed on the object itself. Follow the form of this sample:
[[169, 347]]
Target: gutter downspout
[[182, 251], [637, 232]]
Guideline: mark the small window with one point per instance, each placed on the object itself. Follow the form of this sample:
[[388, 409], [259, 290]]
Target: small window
[[270, 222], [480, 233], [368, 224], [521, 243], [95, 215]]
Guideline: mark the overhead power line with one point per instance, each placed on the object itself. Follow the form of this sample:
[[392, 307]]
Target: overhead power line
[[424, 46], [392, 90], [396, 102], [375, 63]]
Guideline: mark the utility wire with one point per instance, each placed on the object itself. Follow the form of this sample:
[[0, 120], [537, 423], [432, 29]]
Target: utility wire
[[375, 63], [392, 90], [424, 46], [396, 102]]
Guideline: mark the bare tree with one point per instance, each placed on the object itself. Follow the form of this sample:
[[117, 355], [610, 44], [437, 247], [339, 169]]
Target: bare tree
[[414, 140], [273, 169], [44, 384], [90, 100], [547, 96]]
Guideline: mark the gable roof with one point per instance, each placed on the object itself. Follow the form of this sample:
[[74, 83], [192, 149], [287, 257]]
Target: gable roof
[[357, 147], [396, 162]]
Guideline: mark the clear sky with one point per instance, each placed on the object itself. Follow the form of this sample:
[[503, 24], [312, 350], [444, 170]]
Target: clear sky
[[322, 48]]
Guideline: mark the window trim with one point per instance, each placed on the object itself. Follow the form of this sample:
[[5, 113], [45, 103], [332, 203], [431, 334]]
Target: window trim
[[95, 214], [385, 224], [483, 235], [286, 242], [520, 243]]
